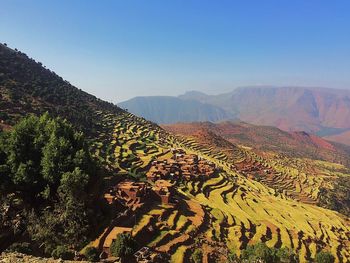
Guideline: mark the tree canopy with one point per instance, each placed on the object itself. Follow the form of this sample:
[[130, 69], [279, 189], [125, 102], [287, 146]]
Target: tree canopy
[[47, 165], [123, 246]]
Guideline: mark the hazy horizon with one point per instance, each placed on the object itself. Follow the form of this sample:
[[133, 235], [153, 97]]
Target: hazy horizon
[[120, 50]]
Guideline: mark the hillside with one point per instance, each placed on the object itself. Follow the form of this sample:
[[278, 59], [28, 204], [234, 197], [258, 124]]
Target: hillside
[[343, 137], [166, 109], [268, 138], [177, 195], [252, 198], [28, 87]]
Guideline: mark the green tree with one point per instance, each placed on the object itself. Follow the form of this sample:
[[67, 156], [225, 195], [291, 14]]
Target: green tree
[[46, 163], [324, 257], [123, 246], [259, 251]]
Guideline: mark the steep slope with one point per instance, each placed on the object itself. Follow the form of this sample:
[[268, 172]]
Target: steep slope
[[28, 87], [249, 197], [165, 109], [253, 197]]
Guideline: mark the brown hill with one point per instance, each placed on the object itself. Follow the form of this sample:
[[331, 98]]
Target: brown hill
[[266, 138], [343, 137]]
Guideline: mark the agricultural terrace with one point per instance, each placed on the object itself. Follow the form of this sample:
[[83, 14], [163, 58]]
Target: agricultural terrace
[[232, 209], [242, 211]]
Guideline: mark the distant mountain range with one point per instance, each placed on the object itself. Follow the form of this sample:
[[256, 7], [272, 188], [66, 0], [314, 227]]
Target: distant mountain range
[[166, 109], [322, 111]]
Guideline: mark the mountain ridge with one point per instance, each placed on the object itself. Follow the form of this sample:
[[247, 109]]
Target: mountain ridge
[[155, 108], [315, 110]]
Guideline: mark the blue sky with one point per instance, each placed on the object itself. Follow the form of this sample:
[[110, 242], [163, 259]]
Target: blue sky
[[120, 49]]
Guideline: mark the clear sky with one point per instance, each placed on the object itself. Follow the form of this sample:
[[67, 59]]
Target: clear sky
[[120, 49]]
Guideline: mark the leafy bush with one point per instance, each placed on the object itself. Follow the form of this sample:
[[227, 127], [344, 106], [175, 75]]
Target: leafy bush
[[62, 252], [261, 251], [232, 257], [123, 246], [324, 257], [286, 255], [91, 254], [21, 248], [258, 251]]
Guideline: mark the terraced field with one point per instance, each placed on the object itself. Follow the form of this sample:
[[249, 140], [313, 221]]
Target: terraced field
[[253, 195], [234, 208], [134, 143]]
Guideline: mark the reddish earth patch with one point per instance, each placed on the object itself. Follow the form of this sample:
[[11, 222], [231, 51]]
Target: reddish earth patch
[[263, 138], [343, 137], [306, 138]]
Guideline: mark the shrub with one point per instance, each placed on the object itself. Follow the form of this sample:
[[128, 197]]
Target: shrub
[[91, 254], [62, 252], [324, 257], [21, 248], [259, 251], [286, 255], [262, 251], [123, 246], [232, 257]]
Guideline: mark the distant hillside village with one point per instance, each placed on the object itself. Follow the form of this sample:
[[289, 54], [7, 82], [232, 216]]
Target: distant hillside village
[[163, 177]]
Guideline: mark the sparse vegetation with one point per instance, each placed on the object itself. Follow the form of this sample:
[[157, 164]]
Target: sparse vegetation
[[27, 87], [338, 197]]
